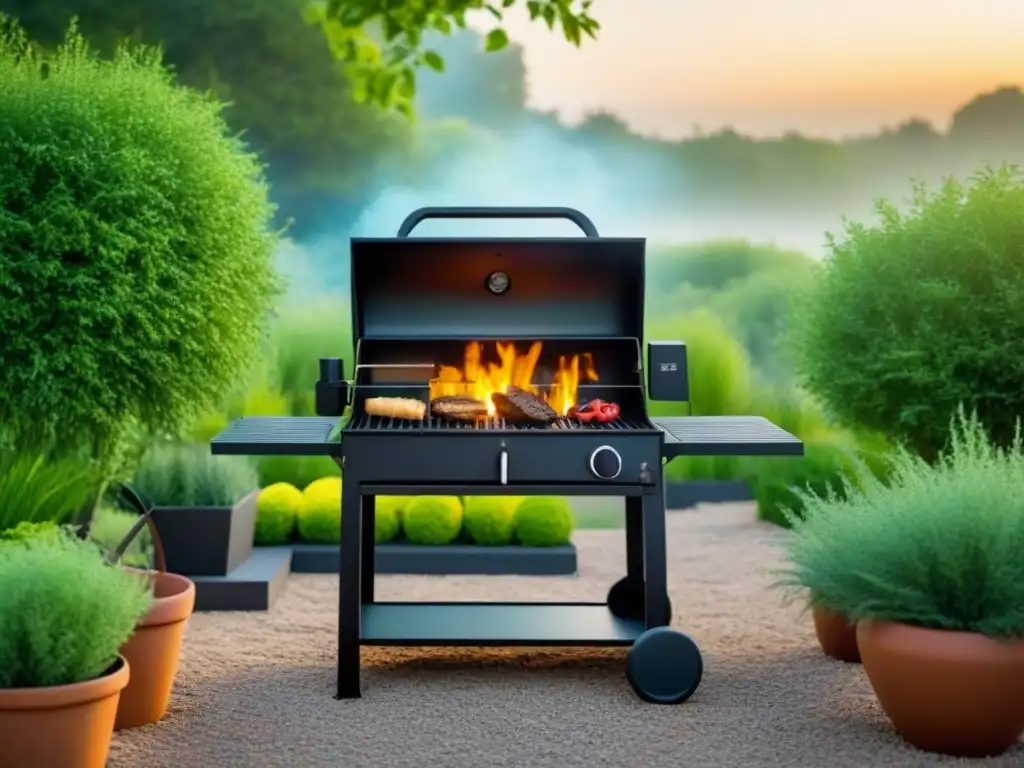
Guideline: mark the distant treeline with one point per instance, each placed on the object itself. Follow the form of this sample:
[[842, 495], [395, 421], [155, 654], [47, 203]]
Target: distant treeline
[[327, 157]]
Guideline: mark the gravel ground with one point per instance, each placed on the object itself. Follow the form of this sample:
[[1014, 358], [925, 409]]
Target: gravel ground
[[255, 690]]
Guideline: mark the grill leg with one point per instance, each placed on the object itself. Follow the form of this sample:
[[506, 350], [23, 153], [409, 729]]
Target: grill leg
[[369, 548], [349, 593], [626, 598], [657, 609], [635, 540]]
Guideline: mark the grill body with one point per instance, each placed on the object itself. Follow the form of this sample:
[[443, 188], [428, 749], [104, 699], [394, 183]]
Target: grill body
[[416, 302]]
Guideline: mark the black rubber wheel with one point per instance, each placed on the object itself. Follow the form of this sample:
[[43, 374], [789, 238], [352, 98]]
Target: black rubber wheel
[[626, 600], [664, 666]]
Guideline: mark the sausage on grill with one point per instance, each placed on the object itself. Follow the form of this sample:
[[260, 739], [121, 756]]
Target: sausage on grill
[[458, 408], [519, 406]]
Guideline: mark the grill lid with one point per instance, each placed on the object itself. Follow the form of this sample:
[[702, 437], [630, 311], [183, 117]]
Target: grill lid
[[502, 288]]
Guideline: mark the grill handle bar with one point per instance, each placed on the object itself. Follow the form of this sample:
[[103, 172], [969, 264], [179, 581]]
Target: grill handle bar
[[422, 214]]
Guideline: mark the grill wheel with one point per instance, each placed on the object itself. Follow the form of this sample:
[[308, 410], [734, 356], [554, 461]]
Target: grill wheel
[[664, 666]]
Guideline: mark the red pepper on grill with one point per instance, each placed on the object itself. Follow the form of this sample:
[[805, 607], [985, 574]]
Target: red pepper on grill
[[595, 410], [609, 412]]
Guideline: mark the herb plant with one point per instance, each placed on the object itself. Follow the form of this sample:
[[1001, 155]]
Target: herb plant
[[936, 546], [64, 612], [181, 475]]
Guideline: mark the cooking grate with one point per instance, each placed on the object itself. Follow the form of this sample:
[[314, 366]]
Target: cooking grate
[[368, 423]]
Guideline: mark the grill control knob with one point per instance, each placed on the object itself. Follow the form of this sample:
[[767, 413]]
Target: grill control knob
[[605, 463]]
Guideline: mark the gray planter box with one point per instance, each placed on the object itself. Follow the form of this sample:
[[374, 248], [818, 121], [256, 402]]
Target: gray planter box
[[253, 586], [453, 559], [207, 541], [694, 492]]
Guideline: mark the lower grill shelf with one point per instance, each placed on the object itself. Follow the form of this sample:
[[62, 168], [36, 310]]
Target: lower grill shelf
[[501, 624]]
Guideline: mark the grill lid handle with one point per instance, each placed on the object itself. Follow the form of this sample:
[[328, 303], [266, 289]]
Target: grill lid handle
[[421, 214]]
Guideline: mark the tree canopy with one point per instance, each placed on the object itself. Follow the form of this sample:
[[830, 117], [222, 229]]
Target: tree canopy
[[383, 43]]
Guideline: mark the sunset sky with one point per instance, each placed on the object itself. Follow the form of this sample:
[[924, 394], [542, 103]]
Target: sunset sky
[[824, 67]]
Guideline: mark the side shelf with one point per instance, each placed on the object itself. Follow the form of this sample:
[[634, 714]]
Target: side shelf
[[278, 436], [726, 436]]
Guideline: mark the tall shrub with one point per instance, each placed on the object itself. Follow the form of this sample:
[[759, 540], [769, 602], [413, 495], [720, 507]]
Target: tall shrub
[[135, 246], [921, 312]]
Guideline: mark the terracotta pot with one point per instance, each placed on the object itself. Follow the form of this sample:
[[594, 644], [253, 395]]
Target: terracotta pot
[[956, 693], [153, 651], [838, 637], [64, 725]]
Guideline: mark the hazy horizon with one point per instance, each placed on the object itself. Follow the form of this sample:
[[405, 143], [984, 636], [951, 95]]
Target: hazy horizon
[[821, 69]]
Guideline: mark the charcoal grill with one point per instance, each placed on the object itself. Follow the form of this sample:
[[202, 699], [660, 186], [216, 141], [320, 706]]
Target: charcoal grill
[[416, 304]]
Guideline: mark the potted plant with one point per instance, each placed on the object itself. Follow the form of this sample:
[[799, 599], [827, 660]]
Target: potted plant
[[930, 568], [63, 616], [204, 507], [829, 467], [154, 648]]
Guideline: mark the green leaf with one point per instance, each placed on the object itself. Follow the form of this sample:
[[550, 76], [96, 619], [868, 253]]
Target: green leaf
[[571, 28], [496, 40], [533, 6], [407, 83], [507, 3], [392, 28], [548, 13], [495, 12], [433, 60]]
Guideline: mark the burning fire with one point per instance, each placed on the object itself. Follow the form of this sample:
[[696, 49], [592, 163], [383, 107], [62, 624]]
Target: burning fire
[[480, 380]]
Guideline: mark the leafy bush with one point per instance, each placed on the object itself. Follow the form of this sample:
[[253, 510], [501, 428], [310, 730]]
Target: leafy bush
[[718, 264], [544, 521], [64, 613], [720, 383], [277, 510], [432, 520], [109, 526], [36, 490], [319, 520], [179, 475], [922, 312], [131, 209], [490, 520], [300, 336], [719, 369], [778, 484], [939, 547]]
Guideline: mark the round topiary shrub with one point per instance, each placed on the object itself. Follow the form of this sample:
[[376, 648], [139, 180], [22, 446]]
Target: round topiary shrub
[[490, 520], [137, 247], [319, 519], [432, 520], [544, 521], [920, 312], [277, 509], [387, 522], [395, 503]]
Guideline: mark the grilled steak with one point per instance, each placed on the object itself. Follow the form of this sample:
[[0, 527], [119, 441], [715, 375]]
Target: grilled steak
[[518, 406], [458, 408]]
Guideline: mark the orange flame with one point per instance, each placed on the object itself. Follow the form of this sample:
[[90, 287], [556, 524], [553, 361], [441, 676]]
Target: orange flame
[[480, 380]]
